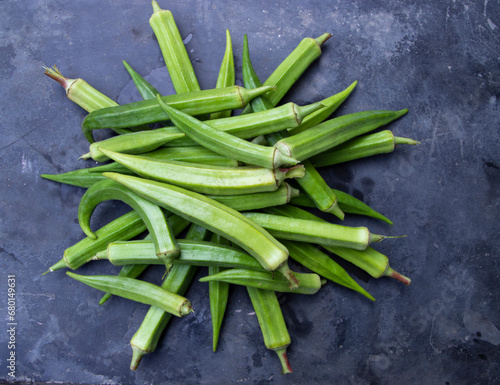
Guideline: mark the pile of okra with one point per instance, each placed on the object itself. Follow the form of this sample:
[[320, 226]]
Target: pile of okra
[[222, 178]]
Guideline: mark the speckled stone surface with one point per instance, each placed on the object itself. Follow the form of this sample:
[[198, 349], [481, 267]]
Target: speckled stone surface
[[437, 58]]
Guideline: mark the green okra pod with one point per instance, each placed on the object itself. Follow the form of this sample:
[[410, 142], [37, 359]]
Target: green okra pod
[[139, 291], [151, 214], [310, 283], [312, 182], [174, 52], [192, 154], [323, 233], [374, 263], [381, 142], [149, 111], [330, 106], [334, 132], [146, 339], [226, 144], [218, 293], [193, 252], [347, 203], [272, 324], [205, 179], [133, 143], [227, 74], [123, 228], [130, 271], [217, 218]]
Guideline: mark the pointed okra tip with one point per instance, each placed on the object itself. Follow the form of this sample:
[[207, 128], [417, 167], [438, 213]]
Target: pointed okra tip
[[61, 264]]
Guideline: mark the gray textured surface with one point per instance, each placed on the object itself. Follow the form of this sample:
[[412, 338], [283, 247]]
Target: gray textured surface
[[437, 58]]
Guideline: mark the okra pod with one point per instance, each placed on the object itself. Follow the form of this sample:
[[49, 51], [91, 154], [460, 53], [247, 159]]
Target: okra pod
[[173, 50], [227, 74], [226, 144], [272, 324], [139, 291], [151, 214], [146, 90], [193, 154], [193, 252], [310, 283], [205, 179], [145, 340], [149, 111], [381, 142], [334, 132], [218, 293], [374, 263], [133, 143], [217, 218], [323, 233], [123, 228], [131, 271]]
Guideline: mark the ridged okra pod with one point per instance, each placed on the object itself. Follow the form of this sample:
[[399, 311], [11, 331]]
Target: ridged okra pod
[[334, 132], [174, 52], [374, 263], [218, 293], [312, 182], [149, 111], [310, 283], [226, 144], [227, 74], [382, 142], [123, 228], [323, 233], [130, 271], [133, 143], [217, 218], [206, 179], [83, 94], [139, 291], [146, 338], [293, 66], [151, 214], [272, 324], [194, 154], [193, 252]]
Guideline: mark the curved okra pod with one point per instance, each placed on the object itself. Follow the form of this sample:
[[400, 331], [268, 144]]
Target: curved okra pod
[[334, 132], [381, 142], [217, 218], [227, 74], [139, 291], [151, 214], [174, 52], [226, 144], [193, 252], [145, 340], [133, 143], [374, 263], [347, 204], [315, 260], [149, 111], [330, 106], [123, 228], [146, 90], [323, 233], [206, 179], [294, 65], [272, 324], [310, 283], [218, 293], [312, 182], [86, 177]]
